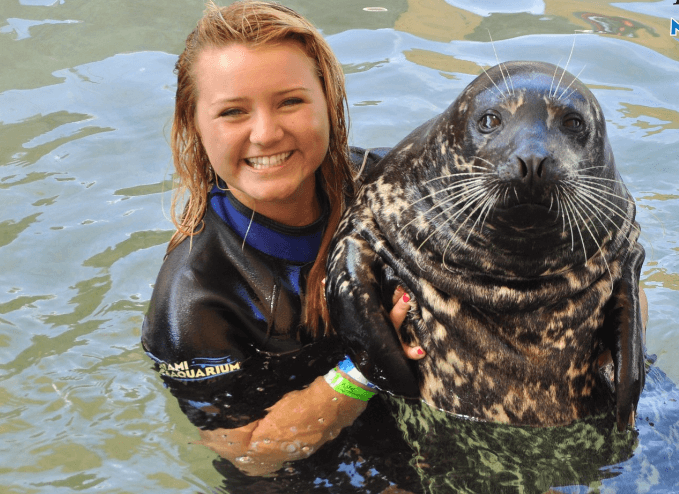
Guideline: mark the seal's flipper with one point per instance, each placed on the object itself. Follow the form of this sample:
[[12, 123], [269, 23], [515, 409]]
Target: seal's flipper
[[357, 313], [626, 340]]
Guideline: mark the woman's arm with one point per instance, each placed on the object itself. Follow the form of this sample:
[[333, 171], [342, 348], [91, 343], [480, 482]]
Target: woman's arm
[[299, 423]]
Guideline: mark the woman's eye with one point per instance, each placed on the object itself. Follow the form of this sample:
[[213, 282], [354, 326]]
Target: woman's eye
[[572, 123], [231, 112], [292, 101], [489, 122]]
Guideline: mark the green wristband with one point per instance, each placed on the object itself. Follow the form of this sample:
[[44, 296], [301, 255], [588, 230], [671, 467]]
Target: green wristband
[[346, 387]]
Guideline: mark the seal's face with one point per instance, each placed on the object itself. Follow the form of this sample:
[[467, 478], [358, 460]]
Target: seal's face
[[532, 169], [534, 136]]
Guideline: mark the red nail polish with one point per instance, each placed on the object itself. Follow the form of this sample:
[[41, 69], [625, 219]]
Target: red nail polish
[[420, 351], [406, 298]]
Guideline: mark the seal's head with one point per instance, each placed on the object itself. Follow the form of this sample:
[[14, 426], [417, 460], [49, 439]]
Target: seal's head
[[527, 166]]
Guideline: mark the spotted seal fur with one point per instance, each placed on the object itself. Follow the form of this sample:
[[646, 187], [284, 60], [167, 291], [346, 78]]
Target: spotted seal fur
[[506, 220]]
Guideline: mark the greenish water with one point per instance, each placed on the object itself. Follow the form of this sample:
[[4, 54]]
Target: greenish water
[[86, 96]]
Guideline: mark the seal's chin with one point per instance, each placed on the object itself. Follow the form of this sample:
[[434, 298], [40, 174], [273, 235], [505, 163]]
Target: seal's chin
[[527, 216]]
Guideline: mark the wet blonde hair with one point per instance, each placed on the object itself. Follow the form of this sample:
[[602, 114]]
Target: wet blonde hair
[[256, 23]]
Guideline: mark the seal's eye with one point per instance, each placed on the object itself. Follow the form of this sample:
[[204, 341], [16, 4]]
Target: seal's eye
[[489, 122], [573, 123]]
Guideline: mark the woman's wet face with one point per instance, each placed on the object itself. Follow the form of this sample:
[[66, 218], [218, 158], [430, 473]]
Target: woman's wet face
[[263, 120]]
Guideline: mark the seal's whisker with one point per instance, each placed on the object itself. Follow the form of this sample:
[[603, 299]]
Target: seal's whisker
[[481, 202], [487, 205], [608, 196], [556, 89], [576, 78], [554, 77], [465, 196], [504, 199], [606, 191], [471, 199], [470, 202], [470, 214], [571, 220], [620, 213], [597, 190], [488, 211], [569, 94], [581, 175], [457, 185], [580, 171], [567, 216], [597, 211], [603, 185], [592, 207], [502, 95], [499, 63], [564, 69], [509, 76], [633, 227], [464, 186], [484, 160], [488, 201], [559, 212], [603, 255], [574, 211], [474, 187], [600, 249], [484, 168], [601, 179], [594, 195], [442, 177]]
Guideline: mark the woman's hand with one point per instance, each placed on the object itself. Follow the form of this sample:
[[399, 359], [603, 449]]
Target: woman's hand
[[397, 316]]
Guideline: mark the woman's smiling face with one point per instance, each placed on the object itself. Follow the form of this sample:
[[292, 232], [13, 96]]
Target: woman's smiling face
[[263, 120]]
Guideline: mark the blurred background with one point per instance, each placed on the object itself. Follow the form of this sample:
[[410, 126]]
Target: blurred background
[[86, 100]]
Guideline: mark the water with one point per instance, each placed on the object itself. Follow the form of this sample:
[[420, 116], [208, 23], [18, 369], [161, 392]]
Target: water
[[86, 97]]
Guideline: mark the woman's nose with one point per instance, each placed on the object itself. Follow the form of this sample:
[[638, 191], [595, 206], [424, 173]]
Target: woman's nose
[[266, 129]]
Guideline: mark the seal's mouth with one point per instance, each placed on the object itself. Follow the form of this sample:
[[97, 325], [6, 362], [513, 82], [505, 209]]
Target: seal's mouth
[[528, 215], [528, 208], [525, 206]]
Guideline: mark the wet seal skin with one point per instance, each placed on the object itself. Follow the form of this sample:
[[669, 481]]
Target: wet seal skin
[[508, 224]]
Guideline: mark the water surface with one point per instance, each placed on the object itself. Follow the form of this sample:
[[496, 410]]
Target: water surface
[[86, 97]]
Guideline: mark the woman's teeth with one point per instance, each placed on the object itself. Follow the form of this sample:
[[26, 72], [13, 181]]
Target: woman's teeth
[[262, 162]]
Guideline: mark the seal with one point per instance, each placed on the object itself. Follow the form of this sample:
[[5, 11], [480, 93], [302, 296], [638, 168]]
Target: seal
[[508, 224]]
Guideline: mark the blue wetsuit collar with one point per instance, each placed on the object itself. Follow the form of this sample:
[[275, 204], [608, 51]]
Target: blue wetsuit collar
[[294, 244]]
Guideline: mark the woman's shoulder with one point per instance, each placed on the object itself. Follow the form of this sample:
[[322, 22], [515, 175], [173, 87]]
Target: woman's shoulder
[[189, 304]]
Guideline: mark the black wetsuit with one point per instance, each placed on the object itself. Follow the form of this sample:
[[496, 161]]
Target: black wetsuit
[[225, 315], [223, 324]]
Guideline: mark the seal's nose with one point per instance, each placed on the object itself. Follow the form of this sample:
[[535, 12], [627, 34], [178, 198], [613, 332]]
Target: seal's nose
[[532, 169], [533, 172]]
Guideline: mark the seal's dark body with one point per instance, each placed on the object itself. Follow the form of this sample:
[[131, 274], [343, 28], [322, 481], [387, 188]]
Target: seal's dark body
[[518, 244]]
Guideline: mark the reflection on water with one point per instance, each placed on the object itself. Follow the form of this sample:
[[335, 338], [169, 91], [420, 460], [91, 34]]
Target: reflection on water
[[84, 163]]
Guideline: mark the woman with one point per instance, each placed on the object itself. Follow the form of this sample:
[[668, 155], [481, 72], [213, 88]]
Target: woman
[[237, 322]]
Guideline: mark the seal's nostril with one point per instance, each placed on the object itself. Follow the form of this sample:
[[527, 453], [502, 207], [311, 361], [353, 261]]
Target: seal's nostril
[[524, 168], [540, 168]]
